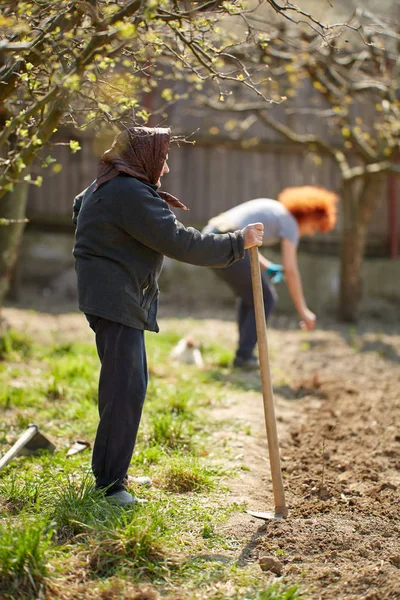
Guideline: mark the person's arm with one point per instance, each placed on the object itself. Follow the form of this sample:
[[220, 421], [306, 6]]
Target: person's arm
[[148, 219], [275, 270], [293, 280], [264, 262]]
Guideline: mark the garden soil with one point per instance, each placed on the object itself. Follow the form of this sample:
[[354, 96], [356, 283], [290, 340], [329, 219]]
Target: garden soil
[[337, 397]]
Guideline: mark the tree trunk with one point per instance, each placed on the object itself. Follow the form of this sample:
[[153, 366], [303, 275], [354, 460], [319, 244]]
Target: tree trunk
[[12, 206], [358, 201]]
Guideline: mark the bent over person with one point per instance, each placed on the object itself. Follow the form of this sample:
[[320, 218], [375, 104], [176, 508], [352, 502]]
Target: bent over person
[[124, 227], [298, 211]]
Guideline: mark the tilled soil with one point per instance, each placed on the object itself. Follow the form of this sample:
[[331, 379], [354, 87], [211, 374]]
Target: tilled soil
[[338, 422], [337, 397]]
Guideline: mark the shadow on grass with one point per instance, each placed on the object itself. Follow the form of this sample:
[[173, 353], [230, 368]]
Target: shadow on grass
[[241, 380], [251, 381], [218, 558]]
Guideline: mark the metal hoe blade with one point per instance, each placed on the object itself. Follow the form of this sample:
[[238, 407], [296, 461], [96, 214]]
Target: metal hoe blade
[[29, 443], [266, 516], [79, 446]]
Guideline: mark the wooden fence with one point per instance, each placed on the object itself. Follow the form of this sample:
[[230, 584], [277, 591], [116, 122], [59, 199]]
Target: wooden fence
[[209, 177]]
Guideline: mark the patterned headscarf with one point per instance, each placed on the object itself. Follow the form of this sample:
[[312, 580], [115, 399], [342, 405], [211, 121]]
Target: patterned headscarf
[[140, 152]]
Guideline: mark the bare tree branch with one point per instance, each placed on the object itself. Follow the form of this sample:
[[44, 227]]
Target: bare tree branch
[[287, 132], [371, 169]]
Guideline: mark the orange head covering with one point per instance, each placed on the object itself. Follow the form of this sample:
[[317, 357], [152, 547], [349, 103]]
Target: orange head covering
[[311, 203]]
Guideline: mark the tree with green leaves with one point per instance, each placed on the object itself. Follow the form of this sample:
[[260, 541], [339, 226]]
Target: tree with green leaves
[[86, 63], [340, 100]]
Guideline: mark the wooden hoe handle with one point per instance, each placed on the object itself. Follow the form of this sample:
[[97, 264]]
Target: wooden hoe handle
[[268, 398]]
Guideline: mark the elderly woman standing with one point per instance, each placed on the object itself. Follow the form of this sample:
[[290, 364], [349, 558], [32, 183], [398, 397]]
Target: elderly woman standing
[[124, 228]]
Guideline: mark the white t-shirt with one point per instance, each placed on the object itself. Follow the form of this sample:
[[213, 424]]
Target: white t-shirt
[[277, 220]]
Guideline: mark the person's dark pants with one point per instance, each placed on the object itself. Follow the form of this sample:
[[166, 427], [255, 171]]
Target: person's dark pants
[[238, 277], [122, 390]]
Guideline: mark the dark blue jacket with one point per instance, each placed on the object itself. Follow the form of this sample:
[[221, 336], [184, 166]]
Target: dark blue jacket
[[123, 231]]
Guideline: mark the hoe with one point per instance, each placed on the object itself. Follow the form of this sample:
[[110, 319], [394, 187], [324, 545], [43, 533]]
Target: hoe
[[28, 443], [280, 511]]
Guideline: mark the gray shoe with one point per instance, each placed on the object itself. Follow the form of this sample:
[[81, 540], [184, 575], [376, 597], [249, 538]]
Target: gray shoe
[[124, 499], [247, 364]]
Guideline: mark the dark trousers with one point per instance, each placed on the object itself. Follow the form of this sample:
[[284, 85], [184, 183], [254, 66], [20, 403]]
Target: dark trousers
[[238, 277], [122, 390]]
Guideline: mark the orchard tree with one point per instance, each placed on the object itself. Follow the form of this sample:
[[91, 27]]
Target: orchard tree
[[346, 95], [87, 62]]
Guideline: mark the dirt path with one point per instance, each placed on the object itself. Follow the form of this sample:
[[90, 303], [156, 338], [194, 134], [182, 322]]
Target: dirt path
[[337, 395]]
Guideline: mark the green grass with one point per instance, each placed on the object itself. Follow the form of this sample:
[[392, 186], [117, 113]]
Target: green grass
[[15, 345], [25, 547], [129, 543], [57, 532]]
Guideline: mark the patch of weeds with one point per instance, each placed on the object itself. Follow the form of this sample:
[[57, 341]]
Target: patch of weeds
[[78, 417], [17, 494], [186, 474], [55, 389], [62, 349], [15, 345], [69, 371], [149, 455], [169, 431], [182, 405], [24, 554], [217, 355], [278, 592], [73, 506], [213, 376], [208, 531], [132, 539], [71, 367], [57, 468], [76, 349], [18, 396], [180, 397]]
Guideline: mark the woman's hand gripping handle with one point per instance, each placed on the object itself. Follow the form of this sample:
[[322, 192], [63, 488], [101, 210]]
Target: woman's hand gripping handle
[[253, 235]]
